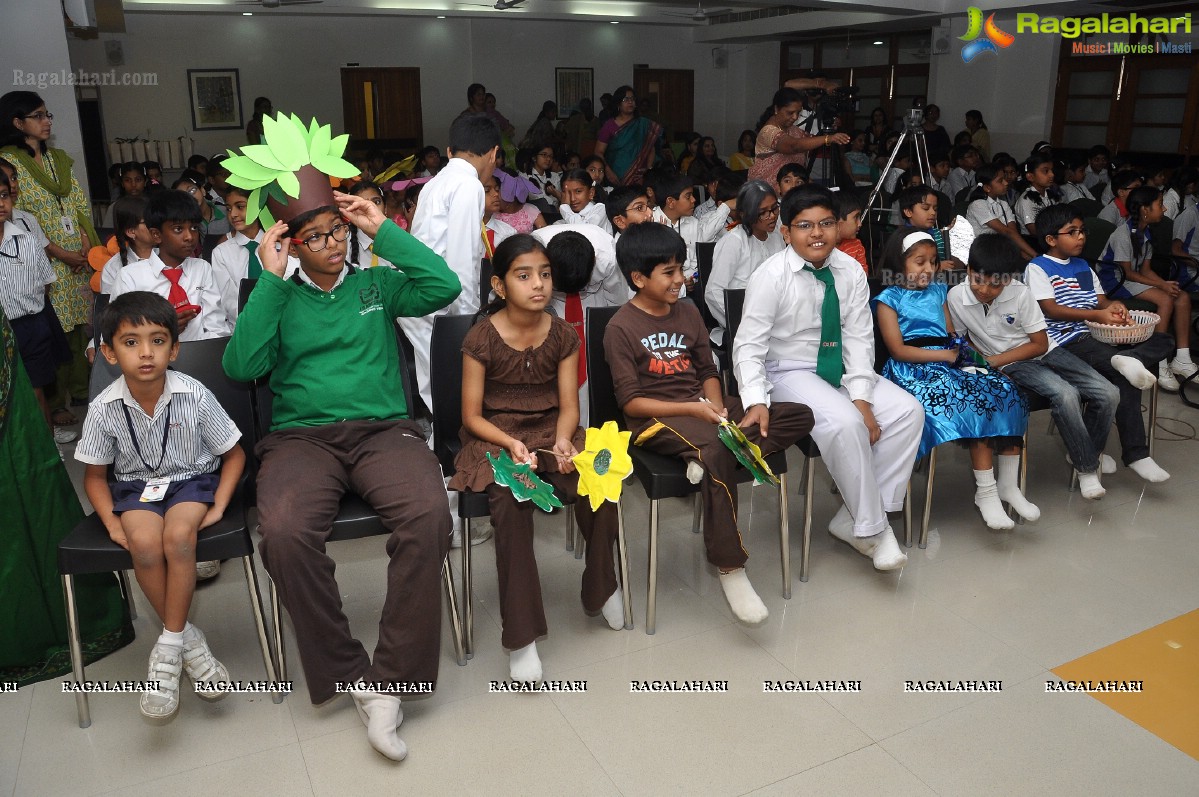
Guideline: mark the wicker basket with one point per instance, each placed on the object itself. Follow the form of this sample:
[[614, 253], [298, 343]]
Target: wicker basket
[[1138, 331]]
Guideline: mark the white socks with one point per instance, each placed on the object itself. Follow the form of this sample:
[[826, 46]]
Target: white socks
[[986, 498], [613, 611], [695, 472], [882, 548], [1106, 464], [745, 603], [1182, 356], [1009, 487], [171, 638], [524, 665], [382, 715], [1134, 371], [1089, 486], [841, 526], [1149, 470]]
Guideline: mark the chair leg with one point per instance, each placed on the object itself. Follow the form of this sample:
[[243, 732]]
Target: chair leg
[[81, 706], [123, 577], [468, 589], [572, 532], [1152, 417], [651, 598], [625, 589], [1023, 479], [809, 491], [907, 516], [277, 622], [451, 602], [928, 497], [697, 513], [268, 656], [784, 536]]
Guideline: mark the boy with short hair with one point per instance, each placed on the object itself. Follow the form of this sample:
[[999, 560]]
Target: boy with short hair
[[939, 167], [449, 220], [669, 390], [1007, 327], [627, 204], [1070, 294], [918, 206], [341, 420], [187, 282], [965, 159], [807, 336], [849, 221], [152, 415], [790, 176], [236, 259], [676, 206]]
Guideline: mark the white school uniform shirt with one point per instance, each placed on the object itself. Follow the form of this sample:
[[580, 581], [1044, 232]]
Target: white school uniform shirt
[[1073, 191], [25, 271], [694, 230], [197, 281], [607, 286], [957, 180], [1172, 203], [738, 254], [29, 224], [541, 181], [1026, 209], [593, 214], [987, 209], [230, 265], [782, 322], [201, 431], [501, 230], [111, 273], [1111, 214], [1008, 321], [704, 208], [1186, 229], [449, 220], [1090, 179]]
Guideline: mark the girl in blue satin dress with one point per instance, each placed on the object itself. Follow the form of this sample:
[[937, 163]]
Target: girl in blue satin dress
[[978, 406]]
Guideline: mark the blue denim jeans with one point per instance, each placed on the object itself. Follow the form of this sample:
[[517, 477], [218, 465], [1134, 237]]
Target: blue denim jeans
[[1084, 402]]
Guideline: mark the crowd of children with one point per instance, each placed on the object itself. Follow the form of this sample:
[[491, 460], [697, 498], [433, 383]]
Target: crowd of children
[[975, 315]]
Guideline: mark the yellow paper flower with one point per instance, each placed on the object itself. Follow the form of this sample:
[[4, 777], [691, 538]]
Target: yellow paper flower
[[604, 464]]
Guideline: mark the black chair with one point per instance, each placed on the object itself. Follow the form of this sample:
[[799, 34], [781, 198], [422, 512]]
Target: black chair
[[98, 306], [88, 548], [244, 288], [662, 476], [1087, 208], [209, 243], [486, 270], [704, 252], [355, 519], [944, 209]]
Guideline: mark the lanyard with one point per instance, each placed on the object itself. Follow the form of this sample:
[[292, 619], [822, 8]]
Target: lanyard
[[166, 429]]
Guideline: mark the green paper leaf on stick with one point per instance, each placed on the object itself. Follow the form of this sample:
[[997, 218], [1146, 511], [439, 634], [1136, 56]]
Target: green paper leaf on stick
[[262, 155], [285, 141], [747, 453], [523, 482]]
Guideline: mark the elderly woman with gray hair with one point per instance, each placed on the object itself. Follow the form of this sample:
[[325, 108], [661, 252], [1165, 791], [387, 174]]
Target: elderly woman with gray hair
[[740, 251]]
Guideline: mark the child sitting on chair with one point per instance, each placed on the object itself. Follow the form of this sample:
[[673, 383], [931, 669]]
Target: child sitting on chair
[[166, 436]]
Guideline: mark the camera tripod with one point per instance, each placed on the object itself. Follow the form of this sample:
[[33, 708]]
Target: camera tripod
[[913, 135]]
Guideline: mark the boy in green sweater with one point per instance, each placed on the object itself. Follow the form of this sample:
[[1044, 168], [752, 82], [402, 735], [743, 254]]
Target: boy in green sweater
[[341, 421]]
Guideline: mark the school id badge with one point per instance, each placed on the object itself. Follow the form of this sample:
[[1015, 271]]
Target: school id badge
[[68, 225], [156, 489]]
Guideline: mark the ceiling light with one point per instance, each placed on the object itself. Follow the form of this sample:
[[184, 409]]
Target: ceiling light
[[247, 13], [878, 42], [614, 22], [441, 16]]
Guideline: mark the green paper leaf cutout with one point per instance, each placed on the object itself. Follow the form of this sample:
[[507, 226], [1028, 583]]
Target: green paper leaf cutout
[[243, 166], [299, 125], [285, 141], [335, 167], [747, 453], [318, 144], [337, 146], [523, 482], [262, 155], [265, 218], [255, 204], [247, 183], [290, 185], [274, 192]]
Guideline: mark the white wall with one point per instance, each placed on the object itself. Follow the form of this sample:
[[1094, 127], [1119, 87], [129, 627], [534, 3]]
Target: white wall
[[1014, 88], [296, 62], [33, 40]]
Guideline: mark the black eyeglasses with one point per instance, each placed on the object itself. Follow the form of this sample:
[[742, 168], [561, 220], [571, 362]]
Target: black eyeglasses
[[319, 240], [773, 210], [1073, 232], [40, 116]]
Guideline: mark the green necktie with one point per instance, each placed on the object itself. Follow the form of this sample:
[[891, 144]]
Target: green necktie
[[828, 361], [255, 269]]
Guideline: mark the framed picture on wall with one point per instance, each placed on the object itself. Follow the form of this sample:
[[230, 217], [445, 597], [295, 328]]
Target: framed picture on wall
[[573, 85], [215, 99]]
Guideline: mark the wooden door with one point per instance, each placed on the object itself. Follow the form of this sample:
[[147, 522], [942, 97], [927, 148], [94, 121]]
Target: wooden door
[[382, 105], [668, 97]]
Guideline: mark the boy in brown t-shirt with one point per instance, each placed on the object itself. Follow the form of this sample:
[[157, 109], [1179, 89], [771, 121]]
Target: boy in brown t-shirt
[[668, 388]]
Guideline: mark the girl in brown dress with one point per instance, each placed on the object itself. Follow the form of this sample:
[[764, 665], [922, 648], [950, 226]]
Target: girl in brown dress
[[520, 394]]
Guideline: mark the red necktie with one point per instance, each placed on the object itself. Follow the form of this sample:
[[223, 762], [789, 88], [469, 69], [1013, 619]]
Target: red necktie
[[177, 296], [574, 317]]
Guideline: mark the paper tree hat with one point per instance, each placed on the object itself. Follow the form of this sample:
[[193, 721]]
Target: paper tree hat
[[288, 174]]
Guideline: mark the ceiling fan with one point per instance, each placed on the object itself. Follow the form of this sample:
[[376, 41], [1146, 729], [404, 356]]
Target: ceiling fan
[[700, 14], [500, 5], [277, 3]]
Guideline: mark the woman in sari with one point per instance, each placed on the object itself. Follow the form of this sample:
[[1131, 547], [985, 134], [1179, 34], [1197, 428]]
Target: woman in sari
[[780, 142], [40, 508], [628, 142], [51, 193]]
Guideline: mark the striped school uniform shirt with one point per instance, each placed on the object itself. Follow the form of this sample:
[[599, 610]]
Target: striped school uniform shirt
[[1072, 284], [25, 271]]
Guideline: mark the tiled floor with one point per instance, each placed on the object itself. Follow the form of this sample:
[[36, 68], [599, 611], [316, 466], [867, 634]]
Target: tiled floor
[[976, 605]]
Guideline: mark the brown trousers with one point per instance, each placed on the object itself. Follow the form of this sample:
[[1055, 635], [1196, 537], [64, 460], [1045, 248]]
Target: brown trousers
[[694, 439], [521, 607], [304, 474]]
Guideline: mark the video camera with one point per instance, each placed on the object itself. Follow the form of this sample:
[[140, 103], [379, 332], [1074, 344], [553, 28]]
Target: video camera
[[828, 105]]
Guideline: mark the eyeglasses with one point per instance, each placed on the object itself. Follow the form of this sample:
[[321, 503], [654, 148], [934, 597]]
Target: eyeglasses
[[1073, 232], [628, 98], [549, 154], [40, 116], [638, 207], [773, 210], [319, 240], [807, 226]]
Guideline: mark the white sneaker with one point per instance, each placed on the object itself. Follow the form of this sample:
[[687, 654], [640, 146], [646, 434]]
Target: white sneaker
[[1167, 381], [64, 435], [202, 667], [1182, 369], [207, 570], [166, 666], [479, 534]]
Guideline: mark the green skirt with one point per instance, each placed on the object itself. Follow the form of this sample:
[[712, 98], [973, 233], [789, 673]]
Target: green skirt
[[40, 508]]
